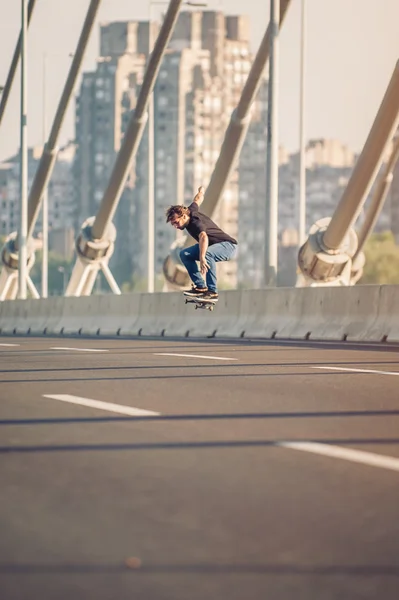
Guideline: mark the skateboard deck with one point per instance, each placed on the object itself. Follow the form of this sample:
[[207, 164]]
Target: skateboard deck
[[199, 303]]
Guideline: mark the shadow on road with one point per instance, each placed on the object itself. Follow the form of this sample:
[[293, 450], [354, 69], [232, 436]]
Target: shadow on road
[[206, 417], [221, 444], [221, 375], [205, 568], [309, 363]]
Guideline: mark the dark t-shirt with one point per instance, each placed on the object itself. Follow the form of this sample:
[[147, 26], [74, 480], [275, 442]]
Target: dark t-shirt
[[200, 222]]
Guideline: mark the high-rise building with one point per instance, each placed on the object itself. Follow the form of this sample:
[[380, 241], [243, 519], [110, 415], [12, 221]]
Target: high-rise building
[[394, 203], [333, 153], [252, 196], [103, 108], [60, 191], [198, 87], [329, 165], [7, 218], [182, 108]]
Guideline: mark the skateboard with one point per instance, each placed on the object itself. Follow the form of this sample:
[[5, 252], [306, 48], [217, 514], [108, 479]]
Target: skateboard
[[199, 303]]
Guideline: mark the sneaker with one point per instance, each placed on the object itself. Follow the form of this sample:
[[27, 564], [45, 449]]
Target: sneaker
[[196, 292], [210, 296]]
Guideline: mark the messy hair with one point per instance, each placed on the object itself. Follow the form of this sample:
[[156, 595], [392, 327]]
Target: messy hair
[[176, 211]]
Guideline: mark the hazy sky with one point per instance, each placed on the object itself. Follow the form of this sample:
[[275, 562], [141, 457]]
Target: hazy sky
[[352, 49]]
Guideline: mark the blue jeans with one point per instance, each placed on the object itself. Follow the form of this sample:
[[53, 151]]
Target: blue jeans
[[215, 253]]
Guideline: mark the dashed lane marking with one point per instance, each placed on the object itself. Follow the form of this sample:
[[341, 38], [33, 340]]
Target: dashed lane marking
[[358, 370], [80, 349], [193, 356], [109, 406], [358, 456]]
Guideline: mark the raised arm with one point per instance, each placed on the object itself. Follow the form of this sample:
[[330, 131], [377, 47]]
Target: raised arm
[[199, 195]]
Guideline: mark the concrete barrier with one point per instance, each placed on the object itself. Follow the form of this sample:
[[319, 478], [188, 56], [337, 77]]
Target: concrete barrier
[[270, 313], [108, 314], [12, 316], [336, 313], [183, 320], [228, 312], [360, 313], [386, 326], [76, 311]]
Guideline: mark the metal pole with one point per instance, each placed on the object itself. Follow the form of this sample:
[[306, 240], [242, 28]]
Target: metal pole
[[272, 150], [369, 161], [45, 193], [302, 143], [151, 181], [13, 67], [23, 228]]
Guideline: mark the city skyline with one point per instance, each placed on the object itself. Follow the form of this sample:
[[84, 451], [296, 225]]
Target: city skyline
[[329, 114]]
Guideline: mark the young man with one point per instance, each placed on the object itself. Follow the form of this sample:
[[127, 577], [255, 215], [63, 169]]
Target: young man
[[213, 245]]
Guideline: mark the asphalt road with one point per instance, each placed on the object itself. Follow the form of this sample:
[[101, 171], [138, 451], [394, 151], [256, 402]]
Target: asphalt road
[[271, 474]]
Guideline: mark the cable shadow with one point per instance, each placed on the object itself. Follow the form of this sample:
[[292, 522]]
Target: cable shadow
[[204, 417], [279, 343], [216, 444], [201, 375], [195, 366], [203, 568], [330, 345]]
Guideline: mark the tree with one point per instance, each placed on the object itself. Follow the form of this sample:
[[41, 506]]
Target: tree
[[382, 259], [59, 272]]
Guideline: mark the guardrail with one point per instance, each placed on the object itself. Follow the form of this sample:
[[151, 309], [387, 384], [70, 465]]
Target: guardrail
[[360, 313]]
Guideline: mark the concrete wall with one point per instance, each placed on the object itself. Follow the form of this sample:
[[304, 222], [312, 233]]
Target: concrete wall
[[360, 313]]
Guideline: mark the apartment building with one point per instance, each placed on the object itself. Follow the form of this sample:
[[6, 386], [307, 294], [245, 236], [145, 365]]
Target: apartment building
[[394, 203], [198, 86], [103, 109], [329, 166], [60, 191]]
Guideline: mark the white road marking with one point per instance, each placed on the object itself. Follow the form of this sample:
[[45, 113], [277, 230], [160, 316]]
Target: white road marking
[[193, 356], [359, 456], [9, 345], [109, 406], [81, 349], [359, 370]]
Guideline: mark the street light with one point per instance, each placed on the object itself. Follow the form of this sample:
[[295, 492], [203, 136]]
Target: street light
[[23, 225], [271, 251], [151, 181], [302, 143], [45, 192]]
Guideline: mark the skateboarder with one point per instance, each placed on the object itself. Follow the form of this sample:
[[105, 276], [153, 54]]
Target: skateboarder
[[214, 245]]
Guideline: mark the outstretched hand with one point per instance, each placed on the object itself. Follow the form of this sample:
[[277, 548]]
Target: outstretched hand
[[199, 195]]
